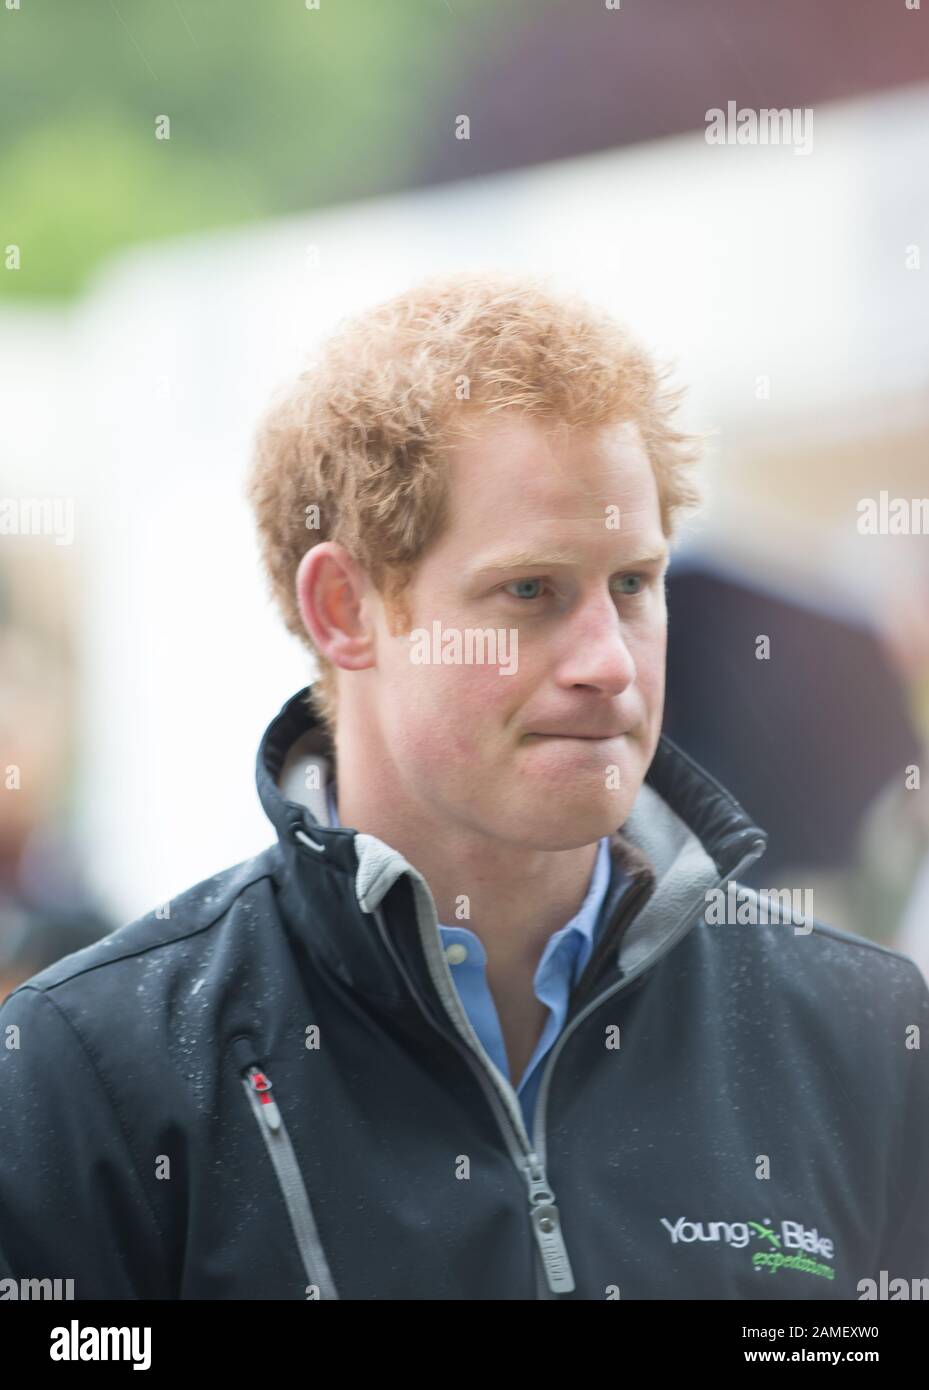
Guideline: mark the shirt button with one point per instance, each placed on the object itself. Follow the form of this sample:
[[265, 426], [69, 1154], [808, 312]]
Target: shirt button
[[456, 953]]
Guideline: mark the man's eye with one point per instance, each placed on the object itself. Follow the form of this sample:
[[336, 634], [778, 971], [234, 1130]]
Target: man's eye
[[631, 586], [521, 583], [636, 579]]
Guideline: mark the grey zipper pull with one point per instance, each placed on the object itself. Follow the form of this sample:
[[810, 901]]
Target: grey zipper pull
[[546, 1223], [262, 1088]]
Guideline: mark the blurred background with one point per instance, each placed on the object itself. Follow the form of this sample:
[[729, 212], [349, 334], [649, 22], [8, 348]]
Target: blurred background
[[191, 194]]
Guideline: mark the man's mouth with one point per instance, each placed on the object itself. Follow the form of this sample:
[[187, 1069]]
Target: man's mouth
[[592, 738], [580, 738]]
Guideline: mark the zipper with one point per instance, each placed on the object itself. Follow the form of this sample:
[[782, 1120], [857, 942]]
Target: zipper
[[546, 1226], [262, 1087], [544, 1218], [527, 1154], [259, 1090]]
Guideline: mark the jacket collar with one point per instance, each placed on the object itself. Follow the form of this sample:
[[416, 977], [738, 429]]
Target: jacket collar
[[685, 835]]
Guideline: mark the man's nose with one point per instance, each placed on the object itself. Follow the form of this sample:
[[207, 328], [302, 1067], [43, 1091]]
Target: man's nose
[[597, 652]]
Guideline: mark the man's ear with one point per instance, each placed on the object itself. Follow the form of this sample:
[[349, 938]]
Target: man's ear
[[330, 588]]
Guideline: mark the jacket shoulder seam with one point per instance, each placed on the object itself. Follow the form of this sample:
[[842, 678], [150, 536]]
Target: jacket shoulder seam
[[837, 934], [862, 942], [130, 954]]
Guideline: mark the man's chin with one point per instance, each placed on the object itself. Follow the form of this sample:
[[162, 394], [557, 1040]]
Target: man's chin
[[574, 765], [561, 825]]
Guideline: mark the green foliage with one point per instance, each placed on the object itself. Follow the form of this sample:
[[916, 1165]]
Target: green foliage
[[273, 107]]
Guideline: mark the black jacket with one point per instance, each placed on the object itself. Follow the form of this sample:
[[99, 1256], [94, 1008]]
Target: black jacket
[[268, 1088]]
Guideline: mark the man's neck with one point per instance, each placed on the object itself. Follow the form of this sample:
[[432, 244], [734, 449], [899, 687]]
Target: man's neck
[[514, 901], [512, 898]]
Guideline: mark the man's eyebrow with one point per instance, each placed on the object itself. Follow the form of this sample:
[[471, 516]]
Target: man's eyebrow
[[554, 559]]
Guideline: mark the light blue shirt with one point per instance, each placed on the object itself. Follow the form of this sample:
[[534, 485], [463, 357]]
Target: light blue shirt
[[566, 954]]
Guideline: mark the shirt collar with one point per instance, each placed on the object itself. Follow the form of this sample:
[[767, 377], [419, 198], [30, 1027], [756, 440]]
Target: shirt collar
[[585, 919]]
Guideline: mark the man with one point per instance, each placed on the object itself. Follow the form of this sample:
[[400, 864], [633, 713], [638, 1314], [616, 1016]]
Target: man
[[469, 1029]]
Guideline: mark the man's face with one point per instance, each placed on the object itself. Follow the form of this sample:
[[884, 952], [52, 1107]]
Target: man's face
[[552, 755]]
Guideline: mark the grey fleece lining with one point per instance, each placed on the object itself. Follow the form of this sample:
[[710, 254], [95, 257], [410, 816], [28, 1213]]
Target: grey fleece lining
[[683, 872], [292, 780]]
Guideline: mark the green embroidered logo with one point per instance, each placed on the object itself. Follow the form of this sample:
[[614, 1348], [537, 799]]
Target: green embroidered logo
[[789, 1246], [766, 1233]]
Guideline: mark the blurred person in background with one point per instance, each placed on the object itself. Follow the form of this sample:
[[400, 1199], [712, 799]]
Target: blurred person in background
[[806, 738], [892, 866], [46, 911]]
